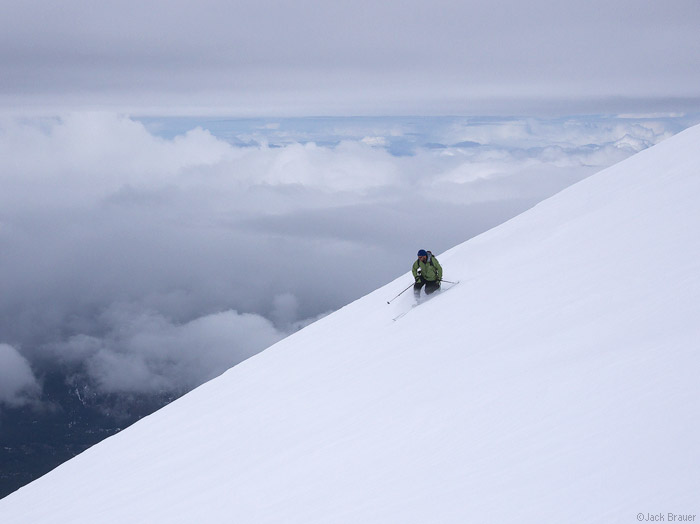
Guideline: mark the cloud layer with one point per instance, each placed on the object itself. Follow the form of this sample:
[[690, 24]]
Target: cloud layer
[[351, 57], [17, 382], [145, 260]]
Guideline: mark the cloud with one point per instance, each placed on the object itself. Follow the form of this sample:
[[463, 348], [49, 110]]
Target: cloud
[[145, 262], [446, 57], [285, 309], [17, 382], [144, 352]]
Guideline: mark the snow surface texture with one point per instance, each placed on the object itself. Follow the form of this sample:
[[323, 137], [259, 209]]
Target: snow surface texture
[[557, 383]]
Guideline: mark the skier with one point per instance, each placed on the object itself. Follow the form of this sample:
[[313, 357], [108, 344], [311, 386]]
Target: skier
[[428, 272]]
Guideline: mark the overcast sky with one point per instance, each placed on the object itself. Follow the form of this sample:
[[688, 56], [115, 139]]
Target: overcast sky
[[255, 57]]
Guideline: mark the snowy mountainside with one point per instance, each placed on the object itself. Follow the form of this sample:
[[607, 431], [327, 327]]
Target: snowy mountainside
[[557, 382]]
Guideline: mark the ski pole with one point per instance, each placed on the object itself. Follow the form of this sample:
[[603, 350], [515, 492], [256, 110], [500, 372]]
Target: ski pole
[[447, 281], [397, 296]]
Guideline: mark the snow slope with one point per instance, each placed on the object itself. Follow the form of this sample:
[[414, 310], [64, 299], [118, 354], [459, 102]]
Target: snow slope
[[558, 382]]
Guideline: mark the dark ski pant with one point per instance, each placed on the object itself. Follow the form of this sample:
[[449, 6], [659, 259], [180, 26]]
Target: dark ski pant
[[430, 286]]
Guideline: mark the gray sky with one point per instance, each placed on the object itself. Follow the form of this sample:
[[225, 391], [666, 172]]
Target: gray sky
[[350, 57]]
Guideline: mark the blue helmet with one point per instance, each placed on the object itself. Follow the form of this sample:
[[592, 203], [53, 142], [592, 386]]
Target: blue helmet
[[422, 253]]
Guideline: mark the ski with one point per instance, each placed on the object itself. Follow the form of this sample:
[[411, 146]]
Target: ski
[[400, 315], [426, 299]]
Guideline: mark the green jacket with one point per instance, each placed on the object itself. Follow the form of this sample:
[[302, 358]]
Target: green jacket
[[431, 269]]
